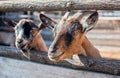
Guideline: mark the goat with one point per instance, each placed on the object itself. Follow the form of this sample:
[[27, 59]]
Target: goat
[[28, 36], [69, 35]]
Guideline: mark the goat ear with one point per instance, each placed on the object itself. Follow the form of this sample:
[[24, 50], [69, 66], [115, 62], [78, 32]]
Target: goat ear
[[41, 26], [91, 20], [10, 22], [47, 22]]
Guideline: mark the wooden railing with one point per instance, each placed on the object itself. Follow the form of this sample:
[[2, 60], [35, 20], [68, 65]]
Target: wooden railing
[[95, 64], [58, 5]]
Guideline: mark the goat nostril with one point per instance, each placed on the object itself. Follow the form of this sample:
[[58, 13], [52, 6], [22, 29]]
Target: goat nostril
[[20, 41], [54, 50]]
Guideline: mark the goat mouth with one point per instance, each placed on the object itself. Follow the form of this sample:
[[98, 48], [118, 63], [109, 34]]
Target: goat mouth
[[56, 57], [22, 46]]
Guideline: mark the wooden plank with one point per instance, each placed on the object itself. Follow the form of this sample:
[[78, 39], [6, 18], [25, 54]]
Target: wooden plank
[[88, 63], [11, 68], [58, 5]]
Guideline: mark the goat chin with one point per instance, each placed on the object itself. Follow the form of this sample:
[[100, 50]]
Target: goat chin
[[22, 47], [75, 60]]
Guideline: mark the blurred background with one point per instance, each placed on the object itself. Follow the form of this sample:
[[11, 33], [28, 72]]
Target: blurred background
[[105, 36]]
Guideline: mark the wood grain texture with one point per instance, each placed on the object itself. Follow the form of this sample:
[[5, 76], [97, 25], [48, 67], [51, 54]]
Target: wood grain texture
[[93, 64], [58, 5]]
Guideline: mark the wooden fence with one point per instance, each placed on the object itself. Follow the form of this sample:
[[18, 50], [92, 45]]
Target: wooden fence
[[94, 64]]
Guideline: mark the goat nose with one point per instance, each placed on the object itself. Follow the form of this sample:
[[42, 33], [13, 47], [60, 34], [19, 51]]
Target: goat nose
[[53, 50], [20, 41]]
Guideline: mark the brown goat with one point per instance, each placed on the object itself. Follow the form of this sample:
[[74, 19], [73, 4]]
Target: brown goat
[[70, 35], [28, 36]]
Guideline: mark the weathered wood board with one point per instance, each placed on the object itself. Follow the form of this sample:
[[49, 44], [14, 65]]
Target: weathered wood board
[[86, 63], [11, 68], [58, 5]]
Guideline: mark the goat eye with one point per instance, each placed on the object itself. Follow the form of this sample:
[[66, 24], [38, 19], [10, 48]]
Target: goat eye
[[75, 27]]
